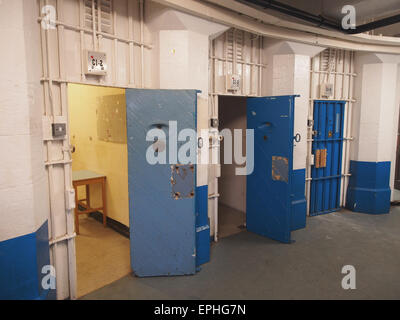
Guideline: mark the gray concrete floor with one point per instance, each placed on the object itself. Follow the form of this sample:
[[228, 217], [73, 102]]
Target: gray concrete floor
[[247, 266]]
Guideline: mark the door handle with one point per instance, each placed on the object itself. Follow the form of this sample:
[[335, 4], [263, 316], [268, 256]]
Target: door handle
[[200, 143], [297, 137]]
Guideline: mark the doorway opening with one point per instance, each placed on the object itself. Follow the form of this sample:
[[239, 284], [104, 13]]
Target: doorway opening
[[97, 128], [232, 188], [262, 188], [327, 148]]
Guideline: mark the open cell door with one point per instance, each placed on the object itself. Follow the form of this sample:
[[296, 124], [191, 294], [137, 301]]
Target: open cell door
[[162, 197], [269, 187]]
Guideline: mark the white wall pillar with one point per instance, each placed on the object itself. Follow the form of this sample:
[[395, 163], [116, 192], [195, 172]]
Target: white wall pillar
[[24, 204], [181, 61], [288, 73], [375, 120]]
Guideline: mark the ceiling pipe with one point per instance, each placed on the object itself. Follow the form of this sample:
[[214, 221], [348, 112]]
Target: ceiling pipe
[[375, 25], [319, 20], [294, 12]]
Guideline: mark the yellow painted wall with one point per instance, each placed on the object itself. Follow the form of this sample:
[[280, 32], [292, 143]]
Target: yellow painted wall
[[108, 158]]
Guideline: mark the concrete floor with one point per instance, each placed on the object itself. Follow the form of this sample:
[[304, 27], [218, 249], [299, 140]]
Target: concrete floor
[[102, 256], [247, 266], [230, 221], [396, 195]]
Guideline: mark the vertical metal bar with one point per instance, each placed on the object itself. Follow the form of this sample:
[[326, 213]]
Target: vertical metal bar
[[350, 108], [251, 67], [225, 46], [141, 9], [67, 156], [130, 36], [243, 86], [335, 75], [82, 37], [344, 130], [216, 106], [259, 67], [314, 172], [320, 75], [46, 113], [94, 25], [342, 112], [309, 133], [213, 75], [115, 45], [321, 145], [50, 168], [99, 29], [234, 52], [328, 148]]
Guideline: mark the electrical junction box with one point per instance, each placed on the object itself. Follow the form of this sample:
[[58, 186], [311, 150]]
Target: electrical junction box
[[327, 90], [233, 82], [54, 128], [312, 160], [214, 123], [70, 199], [59, 130], [96, 63]]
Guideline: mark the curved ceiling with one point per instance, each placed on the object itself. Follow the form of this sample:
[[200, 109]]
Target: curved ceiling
[[366, 11]]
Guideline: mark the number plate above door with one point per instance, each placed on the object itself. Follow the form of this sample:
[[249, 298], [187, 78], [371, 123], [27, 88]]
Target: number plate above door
[[96, 63]]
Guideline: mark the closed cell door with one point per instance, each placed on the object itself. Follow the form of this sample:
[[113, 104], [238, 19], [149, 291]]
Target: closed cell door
[[163, 200], [327, 149], [269, 186]]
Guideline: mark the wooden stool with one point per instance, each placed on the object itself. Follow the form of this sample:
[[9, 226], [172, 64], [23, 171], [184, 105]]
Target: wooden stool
[[86, 178]]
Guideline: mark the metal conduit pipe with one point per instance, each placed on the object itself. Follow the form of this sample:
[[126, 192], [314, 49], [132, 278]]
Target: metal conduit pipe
[[319, 20], [375, 25]]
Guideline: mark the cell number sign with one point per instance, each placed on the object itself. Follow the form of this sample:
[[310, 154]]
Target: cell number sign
[[96, 63]]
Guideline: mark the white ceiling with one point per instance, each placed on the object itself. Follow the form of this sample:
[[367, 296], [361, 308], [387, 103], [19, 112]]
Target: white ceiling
[[366, 10]]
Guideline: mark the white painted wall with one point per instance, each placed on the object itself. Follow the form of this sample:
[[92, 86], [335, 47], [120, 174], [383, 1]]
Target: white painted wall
[[23, 200], [291, 75], [288, 73], [376, 110]]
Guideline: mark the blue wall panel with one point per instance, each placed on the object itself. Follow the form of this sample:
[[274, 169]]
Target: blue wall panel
[[326, 181], [369, 187], [21, 262], [43, 259]]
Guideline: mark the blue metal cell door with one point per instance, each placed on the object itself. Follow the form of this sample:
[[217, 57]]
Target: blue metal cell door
[[326, 173], [162, 197], [268, 199]]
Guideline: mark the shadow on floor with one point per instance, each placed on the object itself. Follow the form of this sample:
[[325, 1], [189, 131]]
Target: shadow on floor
[[230, 221], [248, 266], [102, 256]]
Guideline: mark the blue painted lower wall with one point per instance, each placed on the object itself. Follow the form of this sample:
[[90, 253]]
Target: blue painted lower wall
[[299, 203], [369, 187], [21, 263], [202, 226]]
